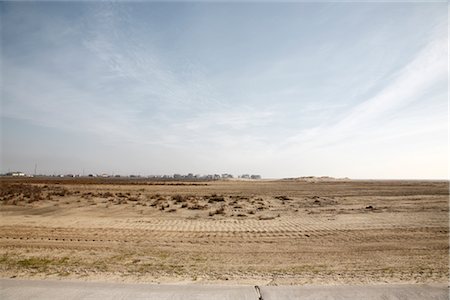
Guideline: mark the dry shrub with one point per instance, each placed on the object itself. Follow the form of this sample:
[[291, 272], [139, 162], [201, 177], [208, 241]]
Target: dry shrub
[[121, 201], [266, 217], [215, 198], [13, 193], [87, 195], [197, 206], [218, 211], [178, 198], [106, 195]]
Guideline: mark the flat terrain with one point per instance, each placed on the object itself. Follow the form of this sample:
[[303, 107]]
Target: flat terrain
[[234, 232], [13, 289]]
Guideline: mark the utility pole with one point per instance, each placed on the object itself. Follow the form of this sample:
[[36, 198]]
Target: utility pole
[[35, 167]]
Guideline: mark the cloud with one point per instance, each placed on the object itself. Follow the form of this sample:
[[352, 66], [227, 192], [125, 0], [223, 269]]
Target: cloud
[[112, 85], [260, 97], [418, 77], [123, 88], [411, 83]]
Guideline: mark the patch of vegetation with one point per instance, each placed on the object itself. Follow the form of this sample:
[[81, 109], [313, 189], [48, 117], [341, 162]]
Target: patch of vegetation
[[196, 205], [106, 195], [282, 198], [41, 263], [215, 198], [178, 198], [14, 193], [218, 211], [59, 192], [266, 217], [34, 263], [87, 195]]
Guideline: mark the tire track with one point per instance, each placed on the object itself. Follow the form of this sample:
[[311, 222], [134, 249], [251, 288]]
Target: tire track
[[290, 233]]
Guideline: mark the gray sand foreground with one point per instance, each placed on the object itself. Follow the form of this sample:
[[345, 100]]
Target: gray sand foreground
[[385, 292], [45, 289]]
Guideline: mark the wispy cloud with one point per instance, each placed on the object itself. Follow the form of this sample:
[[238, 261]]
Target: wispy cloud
[[125, 92], [410, 84], [121, 89], [259, 92]]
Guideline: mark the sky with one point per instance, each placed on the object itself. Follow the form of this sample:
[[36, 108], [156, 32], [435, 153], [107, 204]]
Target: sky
[[351, 89]]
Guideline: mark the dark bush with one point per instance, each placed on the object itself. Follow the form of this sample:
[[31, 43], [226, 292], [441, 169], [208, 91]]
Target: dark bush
[[178, 198], [216, 198]]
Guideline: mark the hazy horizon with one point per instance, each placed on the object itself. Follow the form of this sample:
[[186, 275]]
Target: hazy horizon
[[356, 90]]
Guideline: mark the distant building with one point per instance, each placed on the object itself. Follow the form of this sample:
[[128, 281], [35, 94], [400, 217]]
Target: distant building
[[15, 174]]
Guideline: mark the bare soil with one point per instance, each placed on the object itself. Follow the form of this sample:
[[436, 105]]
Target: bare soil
[[258, 232]]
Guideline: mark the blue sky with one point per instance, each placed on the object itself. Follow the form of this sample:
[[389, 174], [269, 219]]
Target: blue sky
[[281, 90]]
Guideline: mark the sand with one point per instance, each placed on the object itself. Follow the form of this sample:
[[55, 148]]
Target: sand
[[289, 232]]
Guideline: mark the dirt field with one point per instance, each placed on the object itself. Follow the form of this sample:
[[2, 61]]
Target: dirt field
[[258, 232]]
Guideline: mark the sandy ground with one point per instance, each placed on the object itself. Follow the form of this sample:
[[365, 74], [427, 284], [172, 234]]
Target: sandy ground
[[227, 232]]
